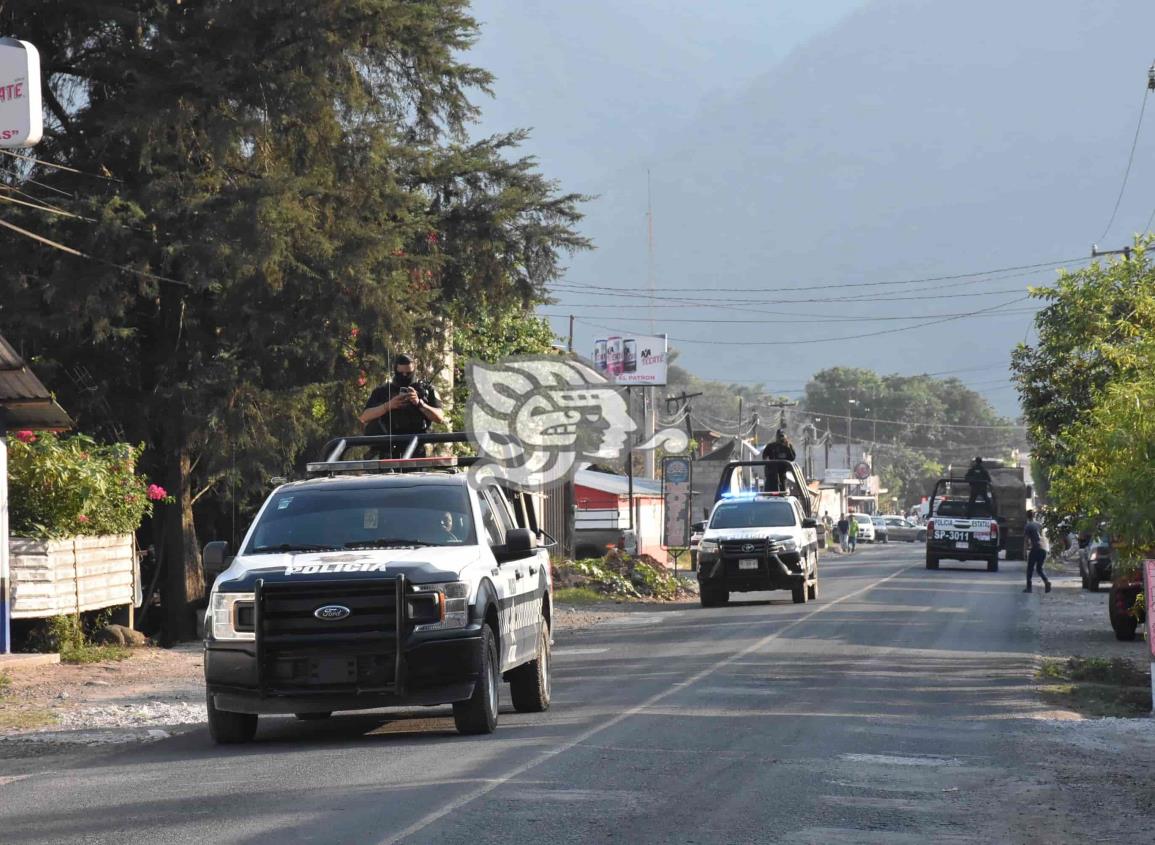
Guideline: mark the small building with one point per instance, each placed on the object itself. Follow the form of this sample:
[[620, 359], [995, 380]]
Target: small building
[[602, 511]]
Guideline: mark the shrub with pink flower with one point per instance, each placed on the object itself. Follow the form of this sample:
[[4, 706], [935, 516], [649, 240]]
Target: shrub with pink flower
[[74, 486], [26, 436]]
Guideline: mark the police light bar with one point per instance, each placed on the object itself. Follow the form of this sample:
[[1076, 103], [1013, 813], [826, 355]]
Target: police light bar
[[383, 464]]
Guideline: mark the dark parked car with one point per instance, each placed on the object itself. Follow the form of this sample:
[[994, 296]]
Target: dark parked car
[[1095, 561], [899, 528]]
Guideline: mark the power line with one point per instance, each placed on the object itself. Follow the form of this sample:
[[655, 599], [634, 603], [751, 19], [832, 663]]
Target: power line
[[758, 321], [952, 277], [1130, 160], [71, 251], [61, 167], [797, 341], [824, 415]]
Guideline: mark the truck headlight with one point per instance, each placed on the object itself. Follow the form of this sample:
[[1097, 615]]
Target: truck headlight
[[439, 607], [231, 616], [788, 545], [707, 547]]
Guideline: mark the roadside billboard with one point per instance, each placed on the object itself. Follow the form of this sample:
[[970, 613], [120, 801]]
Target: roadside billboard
[[676, 497], [21, 123], [632, 359]]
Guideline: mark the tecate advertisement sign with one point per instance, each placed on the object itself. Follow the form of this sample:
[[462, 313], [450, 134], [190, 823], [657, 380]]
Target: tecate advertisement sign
[[631, 359], [21, 124]]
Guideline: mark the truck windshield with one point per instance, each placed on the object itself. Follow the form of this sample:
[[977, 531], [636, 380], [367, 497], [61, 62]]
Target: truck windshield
[[364, 518], [753, 514]]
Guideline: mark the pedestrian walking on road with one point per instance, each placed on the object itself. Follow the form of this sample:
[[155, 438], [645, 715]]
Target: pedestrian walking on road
[[853, 533], [1036, 554], [844, 533]]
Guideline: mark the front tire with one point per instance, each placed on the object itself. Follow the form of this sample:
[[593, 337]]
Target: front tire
[[229, 728], [800, 592], [478, 713], [713, 596], [931, 561], [530, 685], [993, 564]]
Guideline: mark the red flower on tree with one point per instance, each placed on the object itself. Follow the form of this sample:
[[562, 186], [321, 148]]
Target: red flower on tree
[[156, 492]]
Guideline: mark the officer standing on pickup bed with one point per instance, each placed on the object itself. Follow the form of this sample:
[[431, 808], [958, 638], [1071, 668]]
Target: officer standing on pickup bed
[[779, 449], [405, 405]]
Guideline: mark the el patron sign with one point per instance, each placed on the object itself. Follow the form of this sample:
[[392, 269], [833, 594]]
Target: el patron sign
[[21, 124], [631, 359]]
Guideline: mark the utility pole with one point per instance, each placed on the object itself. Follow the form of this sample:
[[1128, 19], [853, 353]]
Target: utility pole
[[739, 428], [850, 403], [569, 345]]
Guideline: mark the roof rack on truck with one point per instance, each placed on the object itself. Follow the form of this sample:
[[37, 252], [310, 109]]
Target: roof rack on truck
[[334, 461]]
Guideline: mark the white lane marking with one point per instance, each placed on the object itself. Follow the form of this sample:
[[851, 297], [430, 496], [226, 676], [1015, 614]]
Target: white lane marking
[[549, 754], [634, 619], [887, 760], [569, 652]]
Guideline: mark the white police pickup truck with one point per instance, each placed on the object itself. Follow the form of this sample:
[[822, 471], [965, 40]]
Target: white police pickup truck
[[754, 542], [379, 583]]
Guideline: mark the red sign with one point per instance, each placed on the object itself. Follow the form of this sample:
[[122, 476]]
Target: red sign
[[1148, 584]]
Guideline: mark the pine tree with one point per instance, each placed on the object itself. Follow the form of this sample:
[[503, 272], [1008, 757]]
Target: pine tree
[[289, 196]]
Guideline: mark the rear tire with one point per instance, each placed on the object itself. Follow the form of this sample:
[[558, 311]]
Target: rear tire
[[1092, 582], [931, 561], [229, 728], [1124, 623], [992, 564], [478, 713], [529, 685], [813, 588]]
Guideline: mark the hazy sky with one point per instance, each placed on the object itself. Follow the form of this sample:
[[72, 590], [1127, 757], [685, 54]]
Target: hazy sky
[[843, 142]]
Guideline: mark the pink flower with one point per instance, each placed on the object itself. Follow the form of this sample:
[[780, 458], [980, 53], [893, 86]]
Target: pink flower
[[82, 518], [156, 492], [26, 437]]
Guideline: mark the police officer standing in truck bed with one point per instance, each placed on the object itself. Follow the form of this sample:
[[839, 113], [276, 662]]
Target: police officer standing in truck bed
[[405, 405]]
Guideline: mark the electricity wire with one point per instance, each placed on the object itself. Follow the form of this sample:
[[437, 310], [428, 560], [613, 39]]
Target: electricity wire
[[1130, 160], [61, 167], [952, 277], [72, 251], [800, 341]]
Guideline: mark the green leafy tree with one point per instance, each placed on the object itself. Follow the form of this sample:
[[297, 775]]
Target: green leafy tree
[[493, 336], [293, 198], [1089, 335], [1112, 474], [919, 425]]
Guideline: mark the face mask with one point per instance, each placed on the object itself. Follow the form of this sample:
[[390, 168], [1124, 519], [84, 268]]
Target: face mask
[[403, 379]]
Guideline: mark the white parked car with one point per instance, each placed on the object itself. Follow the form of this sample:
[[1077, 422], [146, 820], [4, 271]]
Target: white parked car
[[865, 527]]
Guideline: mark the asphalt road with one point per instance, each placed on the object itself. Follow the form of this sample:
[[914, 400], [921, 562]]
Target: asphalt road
[[892, 710]]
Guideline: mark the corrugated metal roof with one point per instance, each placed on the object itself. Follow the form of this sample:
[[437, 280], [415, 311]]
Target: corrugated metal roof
[[25, 401], [611, 483]]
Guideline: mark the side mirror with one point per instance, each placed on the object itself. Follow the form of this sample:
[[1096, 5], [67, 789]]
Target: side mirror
[[519, 543], [698, 526], [809, 523], [215, 559]]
